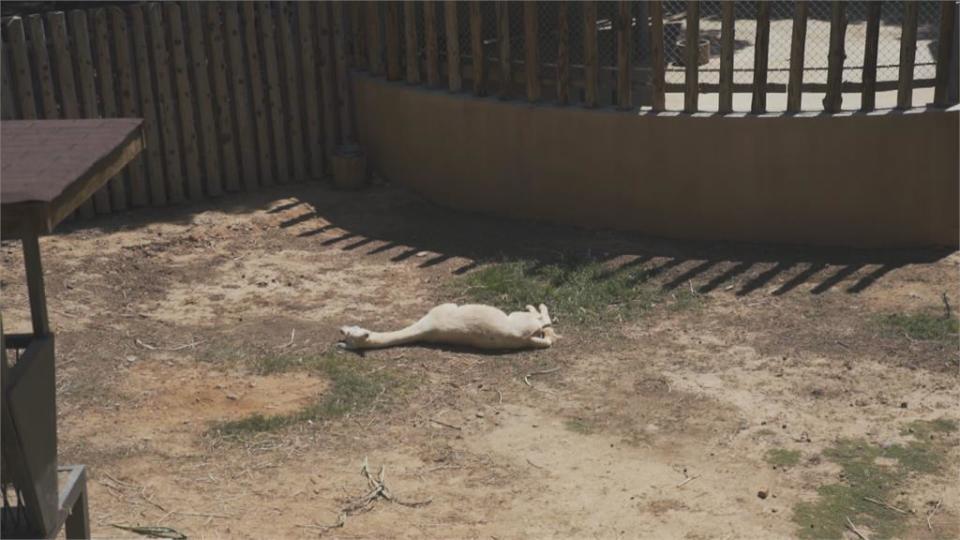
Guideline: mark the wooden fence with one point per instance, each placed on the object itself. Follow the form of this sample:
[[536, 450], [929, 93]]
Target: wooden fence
[[234, 95]]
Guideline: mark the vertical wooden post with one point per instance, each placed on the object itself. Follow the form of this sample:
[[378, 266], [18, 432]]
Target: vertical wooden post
[[21, 68], [868, 95], [8, 110], [908, 53], [691, 95], [57, 32], [188, 131], [165, 104], [204, 100], [41, 63], [563, 54], [760, 55], [797, 47], [227, 138], [328, 89], [148, 108], [308, 68], [411, 41], [591, 65], [261, 122], [268, 44], [241, 96], [374, 47], [531, 46], [657, 62], [476, 50], [343, 83], [392, 23], [503, 41], [945, 39], [358, 39], [727, 37], [108, 99], [454, 79], [127, 99], [838, 28], [430, 36], [624, 54]]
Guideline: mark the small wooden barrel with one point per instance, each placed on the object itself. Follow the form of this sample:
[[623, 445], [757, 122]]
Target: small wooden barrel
[[703, 51], [349, 167]]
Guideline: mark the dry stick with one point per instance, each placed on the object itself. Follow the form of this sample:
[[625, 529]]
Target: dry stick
[[688, 480], [946, 304], [289, 343], [526, 378], [855, 531], [177, 348], [932, 512], [886, 505], [444, 424]]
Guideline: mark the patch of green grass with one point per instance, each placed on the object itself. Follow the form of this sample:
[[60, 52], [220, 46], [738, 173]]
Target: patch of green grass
[[922, 326], [923, 429], [781, 457], [354, 388], [580, 425], [578, 291]]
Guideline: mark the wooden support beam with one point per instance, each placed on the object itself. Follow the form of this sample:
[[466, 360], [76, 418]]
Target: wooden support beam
[[624, 54], [411, 41], [798, 45], [476, 50], [760, 55], [148, 107], [657, 60], [343, 82], [274, 95], [127, 100], [430, 35], [948, 21], [531, 46], [591, 63], [226, 137], [374, 45], [908, 55], [838, 29], [868, 96], [563, 54], [503, 41], [185, 100], [392, 24], [692, 64], [454, 79]]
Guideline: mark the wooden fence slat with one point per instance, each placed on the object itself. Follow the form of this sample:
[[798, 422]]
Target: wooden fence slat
[[167, 114], [657, 61], [343, 83], [199, 69], [624, 53], [154, 151], [41, 63], [127, 99], [21, 68], [454, 79], [908, 54], [563, 54], [503, 45], [838, 27], [8, 109], [358, 39], [727, 41], [392, 27], [531, 46], [411, 41], [591, 66], [57, 33], [798, 45], [108, 98], [430, 36], [259, 103], [222, 106], [760, 56], [268, 44], [88, 93], [478, 58], [692, 64], [327, 85], [311, 110], [188, 132], [294, 120], [868, 94], [242, 110], [945, 39], [374, 46]]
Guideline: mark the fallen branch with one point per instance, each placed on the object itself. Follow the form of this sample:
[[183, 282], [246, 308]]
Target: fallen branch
[[289, 343], [444, 424], [853, 528], [886, 505], [931, 513], [177, 348], [526, 378], [688, 480]]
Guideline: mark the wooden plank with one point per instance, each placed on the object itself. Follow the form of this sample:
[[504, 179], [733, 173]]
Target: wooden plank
[[226, 137], [563, 54], [342, 74], [188, 131], [127, 99], [945, 39], [838, 27], [108, 98], [203, 96], [868, 95], [591, 64], [392, 27], [727, 41], [624, 22], [165, 104], [478, 58], [8, 110], [374, 45], [268, 44], [503, 44], [358, 39], [293, 120], [798, 43], [258, 101], [327, 85], [531, 49], [88, 96], [41, 64], [57, 33], [242, 110], [20, 60], [908, 54], [411, 41], [760, 55], [311, 109], [430, 36], [692, 65], [454, 79], [151, 125], [657, 61]]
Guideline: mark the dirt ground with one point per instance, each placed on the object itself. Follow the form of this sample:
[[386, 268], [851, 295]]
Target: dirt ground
[[664, 426]]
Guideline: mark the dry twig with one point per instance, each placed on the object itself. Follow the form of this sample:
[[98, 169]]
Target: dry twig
[[856, 531], [688, 480], [931, 513], [177, 348], [946, 304], [293, 333], [886, 505], [526, 378], [444, 424]]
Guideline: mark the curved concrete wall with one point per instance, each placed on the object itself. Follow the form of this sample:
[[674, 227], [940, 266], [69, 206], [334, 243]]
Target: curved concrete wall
[[884, 179]]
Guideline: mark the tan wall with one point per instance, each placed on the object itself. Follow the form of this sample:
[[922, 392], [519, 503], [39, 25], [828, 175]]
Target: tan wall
[[888, 179]]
